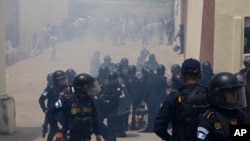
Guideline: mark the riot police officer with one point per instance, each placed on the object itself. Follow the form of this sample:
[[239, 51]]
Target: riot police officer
[[125, 64], [227, 97], [247, 87], [49, 79], [149, 96], [51, 94], [175, 81], [70, 76], [206, 72], [102, 75], [162, 84], [246, 65], [79, 111], [183, 106], [134, 87], [110, 100], [107, 63]]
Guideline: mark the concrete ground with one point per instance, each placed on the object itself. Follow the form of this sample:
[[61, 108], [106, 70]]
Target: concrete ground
[[26, 79]]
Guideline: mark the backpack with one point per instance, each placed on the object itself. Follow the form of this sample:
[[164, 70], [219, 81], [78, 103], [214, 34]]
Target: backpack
[[190, 107]]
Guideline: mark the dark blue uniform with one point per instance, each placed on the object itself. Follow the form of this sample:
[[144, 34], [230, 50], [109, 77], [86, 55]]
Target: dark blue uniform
[[134, 87], [80, 116], [214, 124], [172, 110], [51, 94]]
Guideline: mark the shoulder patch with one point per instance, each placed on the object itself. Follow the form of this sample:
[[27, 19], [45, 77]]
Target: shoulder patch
[[217, 125], [58, 104], [234, 122]]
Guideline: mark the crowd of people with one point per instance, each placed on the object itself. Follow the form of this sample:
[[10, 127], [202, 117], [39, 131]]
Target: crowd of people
[[195, 103]]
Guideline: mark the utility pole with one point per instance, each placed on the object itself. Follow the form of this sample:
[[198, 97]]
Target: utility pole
[[7, 104]]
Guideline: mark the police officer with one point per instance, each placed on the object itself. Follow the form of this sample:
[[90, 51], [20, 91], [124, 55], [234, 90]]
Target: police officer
[[125, 64], [206, 72], [134, 87], [107, 63], [70, 76], [79, 111], [246, 65], [110, 105], [49, 86], [247, 87], [152, 62], [175, 81], [51, 94], [227, 97], [162, 84], [102, 75], [182, 106], [149, 96]]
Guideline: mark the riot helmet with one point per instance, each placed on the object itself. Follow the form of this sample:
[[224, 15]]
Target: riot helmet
[[112, 78], [147, 73], [58, 76], [107, 59], [160, 70], [83, 84], [70, 75], [50, 78], [103, 71], [151, 58], [124, 62], [118, 67], [206, 67], [131, 70], [175, 69], [240, 78], [247, 61], [226, 92]]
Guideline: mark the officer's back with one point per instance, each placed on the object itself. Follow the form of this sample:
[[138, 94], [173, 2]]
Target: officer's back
[[177, 108]]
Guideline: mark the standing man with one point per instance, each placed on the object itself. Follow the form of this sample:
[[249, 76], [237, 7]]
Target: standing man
[[207, 73], [141, 59], [95, 64], [79, 111], [226, 96], [51, 94], [183, 106]]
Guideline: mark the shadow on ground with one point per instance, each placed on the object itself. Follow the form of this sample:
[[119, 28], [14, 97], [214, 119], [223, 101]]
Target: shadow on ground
[[23, 134]]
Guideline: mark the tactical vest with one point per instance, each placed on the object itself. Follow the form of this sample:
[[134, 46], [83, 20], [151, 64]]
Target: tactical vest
[[190, 105], [221, 123], [80, 119]]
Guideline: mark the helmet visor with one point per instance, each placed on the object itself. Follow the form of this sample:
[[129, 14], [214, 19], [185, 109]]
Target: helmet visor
[[231, 98]]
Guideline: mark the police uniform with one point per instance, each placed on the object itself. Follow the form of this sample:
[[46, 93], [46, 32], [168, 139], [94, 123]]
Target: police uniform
[[111, 107], [182, 107], [169, 112], [214, 124], [80, 116], [51, 93], [226, 96]]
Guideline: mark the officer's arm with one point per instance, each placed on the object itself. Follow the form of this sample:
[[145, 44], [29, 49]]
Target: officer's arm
[[51, 115], [42, 99], [162, 121], [95, 120], [205, 127]]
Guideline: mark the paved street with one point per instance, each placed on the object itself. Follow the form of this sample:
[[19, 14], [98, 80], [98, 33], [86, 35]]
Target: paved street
[[26, 79]]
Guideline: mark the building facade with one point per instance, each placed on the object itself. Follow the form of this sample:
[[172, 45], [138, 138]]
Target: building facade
[[216, 31]]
